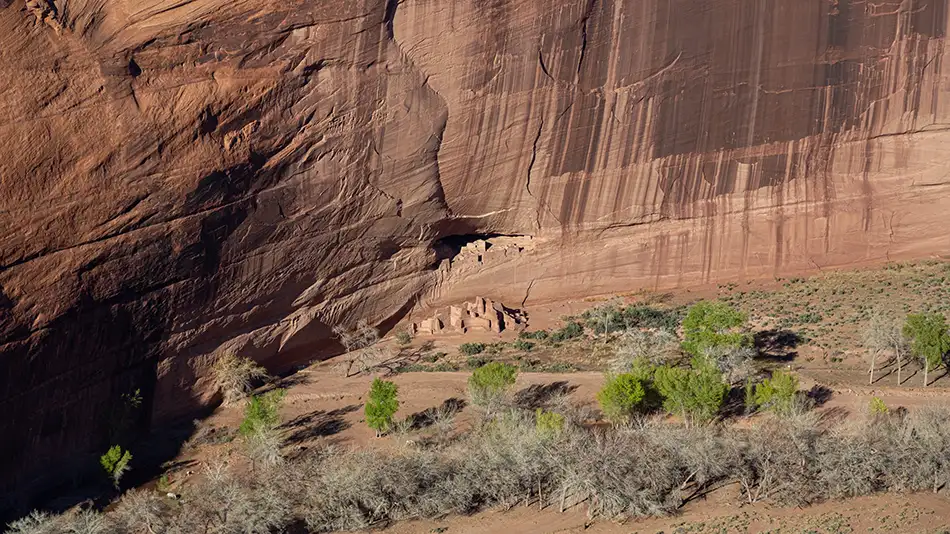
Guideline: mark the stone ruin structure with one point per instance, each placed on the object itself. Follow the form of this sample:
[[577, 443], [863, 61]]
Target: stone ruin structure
[[481, 315]]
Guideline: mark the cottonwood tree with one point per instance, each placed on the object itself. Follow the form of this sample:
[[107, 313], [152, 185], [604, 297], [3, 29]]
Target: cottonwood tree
[[735, 363], [777, 393], [115, 462], [381, 404], [656, 347], [143, 511], [362, 344], [621, 397], [489, 384], [259, 428], [929, 339], [694, 394], [884, 334], [714, 324], [233, 376], [36, 522]]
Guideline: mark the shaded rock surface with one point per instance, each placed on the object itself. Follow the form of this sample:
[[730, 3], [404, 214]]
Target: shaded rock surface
[[182, 178]]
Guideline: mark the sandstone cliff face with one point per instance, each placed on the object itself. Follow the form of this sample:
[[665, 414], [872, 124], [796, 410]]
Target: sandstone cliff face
[[181, 178]]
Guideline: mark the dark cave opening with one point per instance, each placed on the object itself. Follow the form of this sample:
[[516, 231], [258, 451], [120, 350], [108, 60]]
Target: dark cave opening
[[450, 246]]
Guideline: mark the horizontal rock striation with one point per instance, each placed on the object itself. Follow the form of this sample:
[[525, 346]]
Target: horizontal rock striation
[[181, 178]]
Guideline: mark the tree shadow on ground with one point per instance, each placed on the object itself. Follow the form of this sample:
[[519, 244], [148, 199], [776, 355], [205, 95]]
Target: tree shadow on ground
[[936, 379], [317, 424], [404, 357], [734, 405], [429, 416], [294, 379], [819, 395], [777, 344], [539, 395]]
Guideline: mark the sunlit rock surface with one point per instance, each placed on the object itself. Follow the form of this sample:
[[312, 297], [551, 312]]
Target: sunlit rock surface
[[179, 178]]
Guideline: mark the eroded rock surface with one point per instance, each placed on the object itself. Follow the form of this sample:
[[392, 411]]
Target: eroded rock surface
[[181, 178]]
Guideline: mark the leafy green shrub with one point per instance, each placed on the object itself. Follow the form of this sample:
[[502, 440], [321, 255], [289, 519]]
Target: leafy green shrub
[[115, 462], [929, 339], [548, 424], [713, 324], [381, 404], [571, 330], [621, 397], [537, 335], [523, 345], [694, 394], [777, 393], [489, 383], [471, 349]]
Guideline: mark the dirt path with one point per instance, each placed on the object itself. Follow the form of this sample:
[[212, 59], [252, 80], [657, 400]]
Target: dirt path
[[916, 514]]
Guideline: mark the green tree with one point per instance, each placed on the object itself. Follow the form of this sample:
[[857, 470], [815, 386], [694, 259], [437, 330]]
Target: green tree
[[259, 428], [694, 394], [713, 324], [115, 462], [622, 396], [261, 413], [929, 339], [381, 405], [489, 383], [777, 393]]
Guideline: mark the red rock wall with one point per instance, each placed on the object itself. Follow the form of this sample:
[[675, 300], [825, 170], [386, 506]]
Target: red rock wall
[[180, 178]]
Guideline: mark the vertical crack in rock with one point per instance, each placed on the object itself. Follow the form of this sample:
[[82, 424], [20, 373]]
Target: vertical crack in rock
[[534, 158], [544, 68], [390, 17], [584, 20], [527, 292]]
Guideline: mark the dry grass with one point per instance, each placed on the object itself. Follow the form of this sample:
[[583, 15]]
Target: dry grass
[[650, 469]]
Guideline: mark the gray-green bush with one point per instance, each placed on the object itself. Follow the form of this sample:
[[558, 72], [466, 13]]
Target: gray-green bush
[[651, 469]]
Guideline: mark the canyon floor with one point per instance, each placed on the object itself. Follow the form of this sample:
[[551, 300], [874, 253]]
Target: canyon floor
[[809, 325]]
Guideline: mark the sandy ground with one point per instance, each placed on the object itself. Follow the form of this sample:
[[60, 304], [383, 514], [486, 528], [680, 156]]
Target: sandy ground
[[323, 406], [917, 514], [322, 397]]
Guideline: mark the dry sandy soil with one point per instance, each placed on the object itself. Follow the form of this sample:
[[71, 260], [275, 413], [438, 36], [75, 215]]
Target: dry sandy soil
[[322, 405]]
